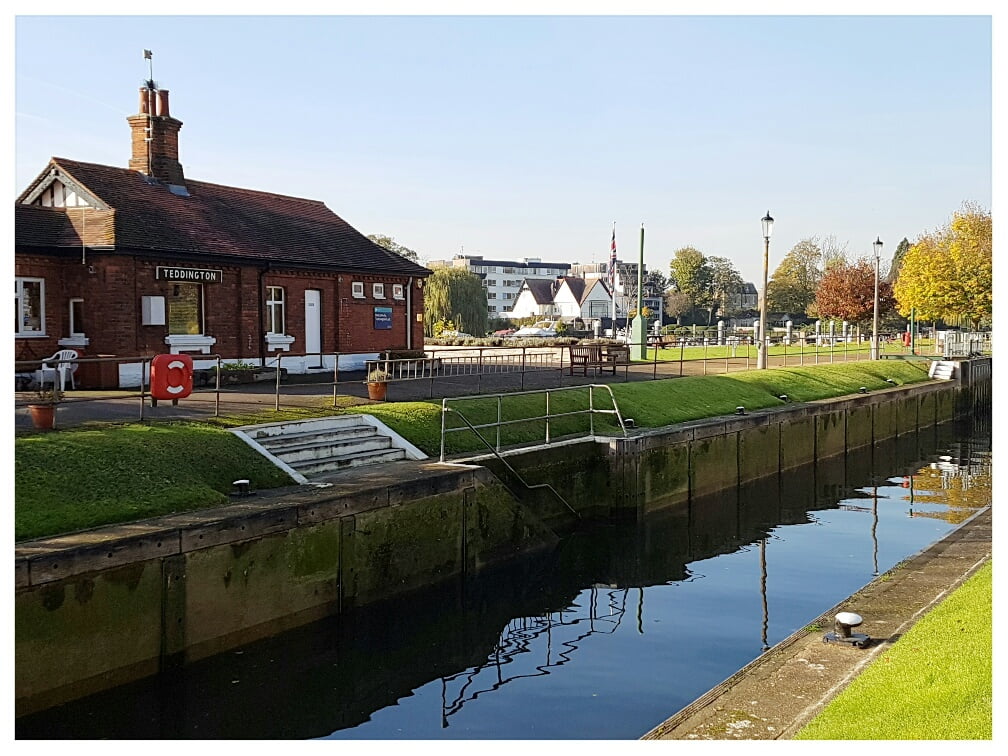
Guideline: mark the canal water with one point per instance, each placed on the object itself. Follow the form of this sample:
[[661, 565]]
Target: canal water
[[606, 636]]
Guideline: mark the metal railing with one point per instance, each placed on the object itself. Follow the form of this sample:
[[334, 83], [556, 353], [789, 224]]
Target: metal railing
[[496, 453], [591, 411]]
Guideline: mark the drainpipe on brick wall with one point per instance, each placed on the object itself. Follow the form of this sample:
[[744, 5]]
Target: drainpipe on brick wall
[[261, 337], [409, 314]]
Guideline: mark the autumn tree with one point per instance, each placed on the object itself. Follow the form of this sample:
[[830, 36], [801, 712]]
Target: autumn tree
[[677, 304], [393, 246], [456, 295], [947, 274], [847, 292]]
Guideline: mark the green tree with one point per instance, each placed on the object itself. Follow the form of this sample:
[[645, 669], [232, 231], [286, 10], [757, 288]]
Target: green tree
[[792, 288], [690, 275], [897, 260], [947, 275], [457, 296], [393, 246], [726, 282], [847, 292]]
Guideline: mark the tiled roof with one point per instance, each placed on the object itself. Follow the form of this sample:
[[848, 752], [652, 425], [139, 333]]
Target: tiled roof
[[215, 221], [576, 286], [541, 289]]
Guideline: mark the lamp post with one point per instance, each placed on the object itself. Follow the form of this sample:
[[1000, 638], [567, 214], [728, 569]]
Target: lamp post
[[877, 244], [761, 354]]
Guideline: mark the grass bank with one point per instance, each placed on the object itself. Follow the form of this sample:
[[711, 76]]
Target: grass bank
[[82, 478], [935, 683]]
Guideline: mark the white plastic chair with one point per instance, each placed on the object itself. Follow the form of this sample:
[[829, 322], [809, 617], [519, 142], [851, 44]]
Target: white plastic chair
[[58, 366]]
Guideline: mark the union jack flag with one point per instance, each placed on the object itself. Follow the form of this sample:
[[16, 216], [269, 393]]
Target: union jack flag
[[612, 263]]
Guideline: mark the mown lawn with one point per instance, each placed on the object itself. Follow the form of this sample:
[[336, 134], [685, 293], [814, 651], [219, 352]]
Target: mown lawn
[[935, 683], [81, 478]]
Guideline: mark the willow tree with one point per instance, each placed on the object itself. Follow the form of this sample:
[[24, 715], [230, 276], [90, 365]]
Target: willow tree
[[947, 274], [456, 295]]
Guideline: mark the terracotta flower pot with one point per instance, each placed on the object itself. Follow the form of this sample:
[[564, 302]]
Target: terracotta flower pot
[[376, 391], [43, 415]]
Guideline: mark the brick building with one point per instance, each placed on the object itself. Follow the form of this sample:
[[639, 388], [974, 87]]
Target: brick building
[[141, 260]]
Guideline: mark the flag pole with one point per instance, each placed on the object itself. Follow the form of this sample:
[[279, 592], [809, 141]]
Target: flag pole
[[612, 277]]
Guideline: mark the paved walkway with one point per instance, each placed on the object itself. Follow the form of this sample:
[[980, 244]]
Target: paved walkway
[[777, 694], [316, 390]]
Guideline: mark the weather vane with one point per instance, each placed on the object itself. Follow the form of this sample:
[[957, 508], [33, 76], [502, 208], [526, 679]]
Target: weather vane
[[149, 56]]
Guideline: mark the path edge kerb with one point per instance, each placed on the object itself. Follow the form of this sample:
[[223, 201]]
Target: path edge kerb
[[780, 652]]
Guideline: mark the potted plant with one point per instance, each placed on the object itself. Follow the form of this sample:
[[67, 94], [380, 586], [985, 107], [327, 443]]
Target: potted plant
[[43, 408], [377, 384]]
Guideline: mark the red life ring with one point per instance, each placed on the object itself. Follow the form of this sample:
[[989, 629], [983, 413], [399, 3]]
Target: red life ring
[[171, 376]]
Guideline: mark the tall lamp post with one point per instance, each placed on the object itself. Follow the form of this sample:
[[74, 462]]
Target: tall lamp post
[[761, 354], [877, 244]]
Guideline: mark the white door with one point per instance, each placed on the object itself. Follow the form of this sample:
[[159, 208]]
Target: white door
[[313, 325]]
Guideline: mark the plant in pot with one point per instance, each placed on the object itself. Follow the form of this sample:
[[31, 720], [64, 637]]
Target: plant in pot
[[377, 384], [43, 408]]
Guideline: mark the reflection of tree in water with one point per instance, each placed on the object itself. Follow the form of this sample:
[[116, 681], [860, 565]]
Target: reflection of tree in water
[[961, 483], [523, 634]]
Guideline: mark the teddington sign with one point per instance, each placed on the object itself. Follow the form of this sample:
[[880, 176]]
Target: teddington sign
[[189, 275]]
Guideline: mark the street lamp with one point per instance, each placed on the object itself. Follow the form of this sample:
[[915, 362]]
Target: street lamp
[[877, 244], [761, 361]]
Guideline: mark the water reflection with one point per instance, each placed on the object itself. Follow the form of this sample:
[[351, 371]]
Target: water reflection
[[559, 635], [618, 628]]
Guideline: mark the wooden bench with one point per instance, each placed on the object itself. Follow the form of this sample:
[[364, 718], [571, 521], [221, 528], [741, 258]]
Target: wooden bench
[[615, 355], [598, 357], [586, 356]]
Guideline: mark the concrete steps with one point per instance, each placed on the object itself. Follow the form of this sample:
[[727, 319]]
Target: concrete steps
[[942, 370], [308, 449]]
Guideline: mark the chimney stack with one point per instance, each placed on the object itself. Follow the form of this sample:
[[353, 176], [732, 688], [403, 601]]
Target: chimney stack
[[155, 138]]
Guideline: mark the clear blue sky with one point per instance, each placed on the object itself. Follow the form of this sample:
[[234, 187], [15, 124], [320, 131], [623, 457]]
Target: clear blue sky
[[529, 136]]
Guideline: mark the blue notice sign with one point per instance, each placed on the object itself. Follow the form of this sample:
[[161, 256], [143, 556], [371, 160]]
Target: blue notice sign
[[383, 318]]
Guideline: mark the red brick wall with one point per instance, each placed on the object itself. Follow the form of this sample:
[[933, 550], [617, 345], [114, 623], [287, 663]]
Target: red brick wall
[[234, 309]]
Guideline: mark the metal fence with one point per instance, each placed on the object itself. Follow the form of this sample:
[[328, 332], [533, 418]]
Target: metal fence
[[442, 371]]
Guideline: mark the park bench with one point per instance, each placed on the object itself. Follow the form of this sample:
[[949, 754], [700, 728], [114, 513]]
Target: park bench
[[584, 356], [614, 355], [598, 357]]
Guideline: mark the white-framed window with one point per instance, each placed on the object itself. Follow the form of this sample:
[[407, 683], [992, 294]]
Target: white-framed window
[[491, 282], [491, 295], [357, 290], [29, 307], [77, 316], [397, 291], [275, 310], [378, 290]]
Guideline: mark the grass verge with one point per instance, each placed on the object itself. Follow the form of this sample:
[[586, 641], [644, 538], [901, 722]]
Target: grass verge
[[82, 478], [935, 683]]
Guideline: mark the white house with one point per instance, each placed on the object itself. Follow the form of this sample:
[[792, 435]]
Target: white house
[[535, 299], [580, 298], [564, 297]]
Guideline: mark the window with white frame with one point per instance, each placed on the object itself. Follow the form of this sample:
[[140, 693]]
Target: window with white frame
[[397, 291], [275, 310], [378, 290], [29, 307], [357, 289], [77, 316], [491, 295]]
